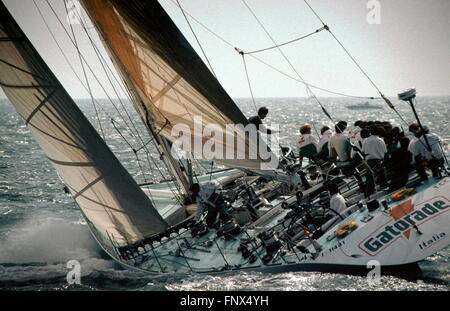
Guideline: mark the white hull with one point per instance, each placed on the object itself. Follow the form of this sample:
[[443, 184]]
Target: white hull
[[389, 238]]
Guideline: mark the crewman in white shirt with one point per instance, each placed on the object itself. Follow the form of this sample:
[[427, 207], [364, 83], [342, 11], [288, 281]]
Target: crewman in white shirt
[[435, 157], [337, 144], [412, 136], [374, 150], [337, 201], [359, 141], [374, 147], [325, 138]]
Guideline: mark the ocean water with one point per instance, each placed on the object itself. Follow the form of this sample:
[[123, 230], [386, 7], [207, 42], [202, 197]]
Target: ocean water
[[41, 228]]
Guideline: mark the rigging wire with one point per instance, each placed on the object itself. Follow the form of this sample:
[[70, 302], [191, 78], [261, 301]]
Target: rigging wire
[[204, 170], [181, 103], [131, 147], [108, 212], [137, 158], [308, 84], [198, 42], [104, 63], [343, 47], [175, 92], [271, 66], [70, 64], [143, 145], [162, 72], [211, 68], [286, 58], [248, 80], [285, 43], [108, 73], [92, 72], [61, 50], [85, 75], [388, 102], [174, 192]]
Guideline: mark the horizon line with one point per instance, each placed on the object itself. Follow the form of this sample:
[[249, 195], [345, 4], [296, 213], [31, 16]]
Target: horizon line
[[266, 97]]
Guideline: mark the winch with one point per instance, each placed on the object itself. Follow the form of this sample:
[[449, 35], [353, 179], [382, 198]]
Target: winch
[[270, 241], [229, 230]]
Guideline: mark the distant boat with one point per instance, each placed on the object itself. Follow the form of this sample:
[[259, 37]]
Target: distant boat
[[366, 105]]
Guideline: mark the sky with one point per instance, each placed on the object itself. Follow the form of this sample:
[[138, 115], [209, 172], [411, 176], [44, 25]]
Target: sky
[[406, 45]]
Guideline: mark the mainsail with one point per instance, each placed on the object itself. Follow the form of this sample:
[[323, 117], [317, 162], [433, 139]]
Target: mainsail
[[173, 85], [111, 201]]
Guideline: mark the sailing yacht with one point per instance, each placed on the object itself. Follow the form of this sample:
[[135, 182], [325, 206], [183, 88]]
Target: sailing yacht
[[280, 219]]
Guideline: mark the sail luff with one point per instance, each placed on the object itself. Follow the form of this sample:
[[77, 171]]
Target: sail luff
[[108, 196]]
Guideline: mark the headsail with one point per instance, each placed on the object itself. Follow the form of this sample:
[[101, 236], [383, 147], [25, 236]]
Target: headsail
[[108, 196], [173, 84]]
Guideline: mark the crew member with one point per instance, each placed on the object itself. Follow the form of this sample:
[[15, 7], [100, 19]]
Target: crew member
[[306, 138], [435, 157], [399, 163], [209, 198], [325, 138], [257, 121], [413, 129], [337, 144], [359, 141], [374, 149], [354, 131], [337, 201]]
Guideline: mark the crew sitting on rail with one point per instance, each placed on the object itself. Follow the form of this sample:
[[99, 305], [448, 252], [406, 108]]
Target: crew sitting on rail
[[435, 156], [346, 129], [354, 132], [324, 139], [209, 198], [359, 141], [337, 144], [412, 135], [305, 139]]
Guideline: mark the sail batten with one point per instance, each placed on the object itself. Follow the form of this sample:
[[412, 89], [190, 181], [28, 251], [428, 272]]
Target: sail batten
[[109, 198]]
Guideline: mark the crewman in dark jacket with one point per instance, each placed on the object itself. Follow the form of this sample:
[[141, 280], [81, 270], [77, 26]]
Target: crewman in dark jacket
[[399, 164], [257, 121]]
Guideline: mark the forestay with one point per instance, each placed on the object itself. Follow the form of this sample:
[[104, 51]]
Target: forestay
[[111, 201]]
